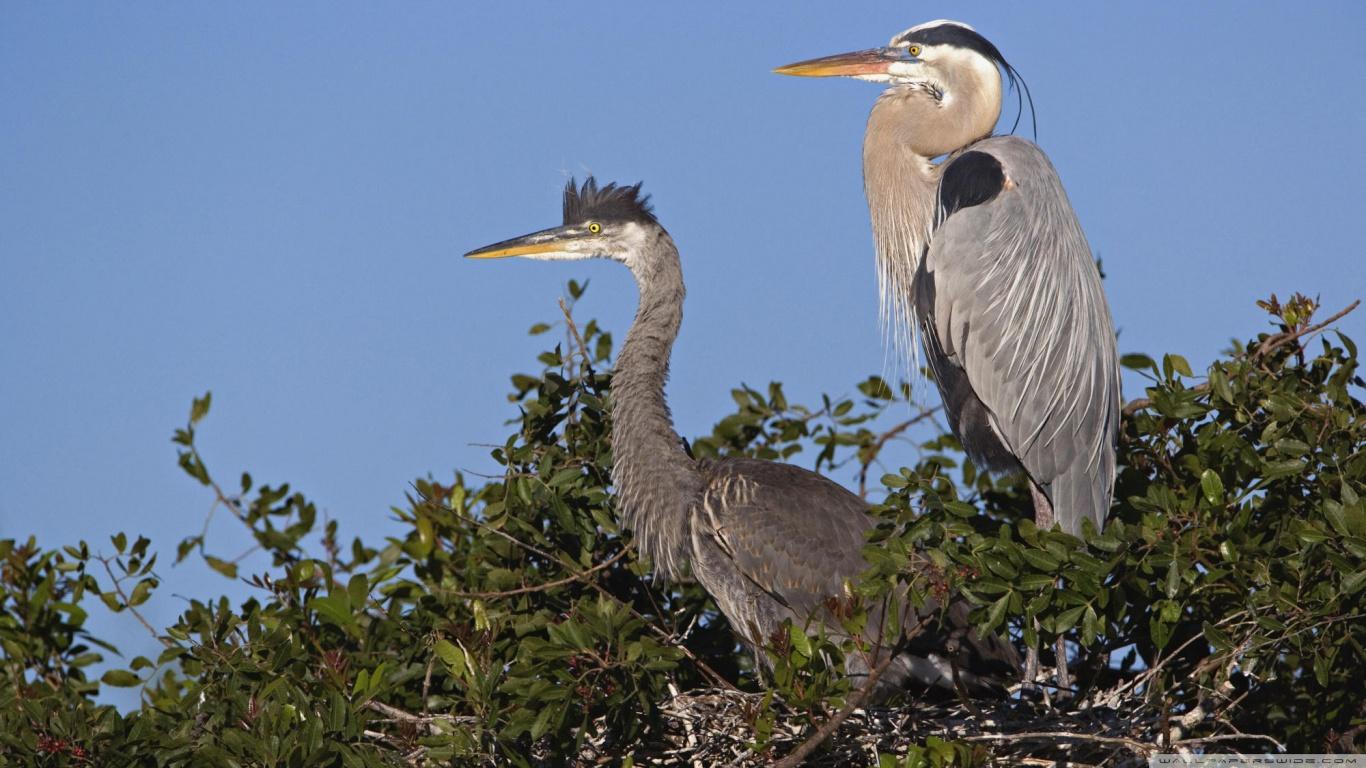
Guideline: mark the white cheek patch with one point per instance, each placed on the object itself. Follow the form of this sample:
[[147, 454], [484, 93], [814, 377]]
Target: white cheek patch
[[905, 70], [633, 238]]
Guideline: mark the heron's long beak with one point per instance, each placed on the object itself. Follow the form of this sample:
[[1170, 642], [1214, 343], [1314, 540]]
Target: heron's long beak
[[874, 61], [545, 242]]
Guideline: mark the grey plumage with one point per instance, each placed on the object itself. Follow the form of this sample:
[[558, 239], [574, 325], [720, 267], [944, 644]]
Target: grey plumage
[[982, 256], [770, 542], [1017, 330]]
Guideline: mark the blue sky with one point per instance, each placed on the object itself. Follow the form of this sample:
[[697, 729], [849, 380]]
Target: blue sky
[[270, 201]]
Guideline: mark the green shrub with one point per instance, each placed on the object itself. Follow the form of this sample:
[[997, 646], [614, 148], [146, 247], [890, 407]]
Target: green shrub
[[509, 623]]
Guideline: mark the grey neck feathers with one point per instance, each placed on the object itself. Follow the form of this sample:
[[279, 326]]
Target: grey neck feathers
[[901, 185], [656, 481]]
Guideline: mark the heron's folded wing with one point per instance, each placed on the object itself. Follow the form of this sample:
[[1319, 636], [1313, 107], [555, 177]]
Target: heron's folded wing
[[792, 533], [1016, 303]]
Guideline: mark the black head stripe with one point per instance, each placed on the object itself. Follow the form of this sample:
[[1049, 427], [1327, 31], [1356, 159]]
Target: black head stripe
[[960, 36], [957, 36], [609, 203]]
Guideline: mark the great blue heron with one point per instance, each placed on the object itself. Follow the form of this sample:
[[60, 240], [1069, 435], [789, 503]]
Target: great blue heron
[[769, 541], [983, 255]]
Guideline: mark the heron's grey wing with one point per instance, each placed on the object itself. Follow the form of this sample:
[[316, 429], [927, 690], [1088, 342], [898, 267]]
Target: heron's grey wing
[[775, 542], [1013, 309], [780, 532]]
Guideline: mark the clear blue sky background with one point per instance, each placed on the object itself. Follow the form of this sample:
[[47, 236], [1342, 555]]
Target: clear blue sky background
[[270, 201]]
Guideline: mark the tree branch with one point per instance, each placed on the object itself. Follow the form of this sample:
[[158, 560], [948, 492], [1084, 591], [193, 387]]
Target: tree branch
[[123, 596], [883, 439], [798, 756], [580, 576], [1268, 345]]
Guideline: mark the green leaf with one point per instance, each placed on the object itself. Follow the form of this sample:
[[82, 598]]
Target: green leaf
[[1068, 619], [1217, 637], [801, 644], [1218, 383], [1173, 581], [1138, 362], [894, 481], [1032, 582], [1040, 559], [358, 589], [120, 678], [335, 608], [75, 614], [1273, 470], [451, 654], [1213, 486], [200, 407], [1173, 363], [222, 566], [112, 600], [1353, 583], [996, 614], [141, 592]]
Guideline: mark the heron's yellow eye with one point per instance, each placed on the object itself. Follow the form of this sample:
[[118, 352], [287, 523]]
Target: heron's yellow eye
[[913, 50], [594, 227]]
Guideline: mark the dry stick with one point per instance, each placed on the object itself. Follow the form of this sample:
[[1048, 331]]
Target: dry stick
[[1268, 345], [1137, 746], [1227, 737], [394, 713], [798, 756]]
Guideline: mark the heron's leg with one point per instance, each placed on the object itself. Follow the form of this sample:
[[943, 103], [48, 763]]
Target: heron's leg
[[1043, 518], [1043, 508], [1064, 677], [1031, 667]]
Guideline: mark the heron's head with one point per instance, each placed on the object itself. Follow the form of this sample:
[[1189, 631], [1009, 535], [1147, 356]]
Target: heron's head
[[609, 222], [945, 64]]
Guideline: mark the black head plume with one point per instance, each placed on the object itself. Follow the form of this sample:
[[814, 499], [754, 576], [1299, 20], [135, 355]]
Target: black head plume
[[609, 203], [962, 36]]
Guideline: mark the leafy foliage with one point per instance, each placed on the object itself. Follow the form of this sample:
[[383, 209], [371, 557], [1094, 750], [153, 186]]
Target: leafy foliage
[[508, 621]]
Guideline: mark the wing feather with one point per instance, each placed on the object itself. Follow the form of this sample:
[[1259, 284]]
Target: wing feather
[[1012, 298]]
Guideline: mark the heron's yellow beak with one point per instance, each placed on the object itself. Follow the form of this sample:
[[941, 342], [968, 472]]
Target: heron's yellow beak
[[548, 241], [493, 252], [874, 61]]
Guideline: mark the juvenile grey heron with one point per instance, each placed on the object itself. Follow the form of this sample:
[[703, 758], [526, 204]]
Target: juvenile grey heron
[[984, 257], [769, 541]]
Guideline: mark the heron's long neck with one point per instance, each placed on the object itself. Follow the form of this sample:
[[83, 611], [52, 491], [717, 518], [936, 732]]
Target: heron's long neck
[[655, 478], [901, 186]]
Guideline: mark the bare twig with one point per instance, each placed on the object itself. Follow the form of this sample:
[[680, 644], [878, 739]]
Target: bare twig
[[1228, 737], [123, 597], [574, 332], [580, 576], [404, 716], [1137, 746], [882, 441], [798, 756], [1270, 343]]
